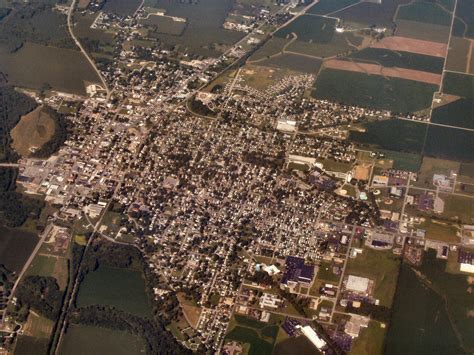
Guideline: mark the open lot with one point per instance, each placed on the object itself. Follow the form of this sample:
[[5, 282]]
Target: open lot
[[394, 94], [380, 266], [35, 66], [121, 288], [81, 339], [459, 113], [392, 58], [34, 129]]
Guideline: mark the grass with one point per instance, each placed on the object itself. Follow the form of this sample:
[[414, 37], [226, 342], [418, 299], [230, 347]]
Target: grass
[[395, 135], [380, 266], [34, 66], [464, 11], [431, 166], [440, 231], [258, 346], [272, 47], [394, 94], [122, 7], [458, 54], [294, 62], [390, 58], [32, 132], [458, 208], [165, 25], [325, 273], [403, 161], [27, 345], [314, 29], [423, 31], [38, 326], [80, 339], [425, 11], [370, 340], [42, 265], [298, 345], [121, 288]]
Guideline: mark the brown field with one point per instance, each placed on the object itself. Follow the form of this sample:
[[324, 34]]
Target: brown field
[[33, 130], [191, 314], [458, 55], [83, 4], [37, 326], [401, 73], [418, 46]]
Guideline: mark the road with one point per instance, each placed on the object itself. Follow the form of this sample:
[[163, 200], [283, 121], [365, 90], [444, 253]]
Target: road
[[70, 27]]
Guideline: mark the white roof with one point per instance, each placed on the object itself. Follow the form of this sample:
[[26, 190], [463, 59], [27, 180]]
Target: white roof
[[357, 284], [467, 268], [313, 337]]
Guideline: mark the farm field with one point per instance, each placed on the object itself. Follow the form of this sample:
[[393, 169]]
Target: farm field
[[35, 66], [313, 29], [21, 242], [121, 7], [27, 345], [391, 58], [81, 339], [164, 25], [458, 84], [459, 113], [423, 31], [413, 45], [458, 55], [325, 7], [204, 34], [394, 94], [367, 13], [380, 266], [439, 143], [464, 24], [273, 47], [121, 288], [425, 11], [415, 327], [395, 135], [294, 62], [34, 129]]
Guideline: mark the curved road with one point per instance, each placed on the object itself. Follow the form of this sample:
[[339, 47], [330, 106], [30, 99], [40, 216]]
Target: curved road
[[89, 59]]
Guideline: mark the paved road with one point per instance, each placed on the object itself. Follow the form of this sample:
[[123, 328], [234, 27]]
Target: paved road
[[78, 43]]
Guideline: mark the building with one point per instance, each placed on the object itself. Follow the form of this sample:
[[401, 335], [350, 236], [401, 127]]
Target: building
[[359, 285], [297, 273], [314, 338], [354, 325], [270, 301], [466, 261]]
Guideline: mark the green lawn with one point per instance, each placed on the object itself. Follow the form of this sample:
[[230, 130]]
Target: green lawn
[[380, 266], [121, 288], [370, 340]]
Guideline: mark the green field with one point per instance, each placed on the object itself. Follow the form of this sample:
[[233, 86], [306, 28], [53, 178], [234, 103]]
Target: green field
[[389, 58], [15, 247], [396, 135], [299, 345], [294, 62], [370, 340], [27, 345], [204, 34], [121, 288], [42, 265], [380, 266], [425, 11], [393, 94], [459, 113], [122, 7], [371, 13], [464, 26], [81, 339], [314, 29], [420, 321], [422, 30], [341, 43], [35, 66], [324, 7], [458, 84], [404, 161], [260, 336], [449, 143], [458, 54], [164, 25]]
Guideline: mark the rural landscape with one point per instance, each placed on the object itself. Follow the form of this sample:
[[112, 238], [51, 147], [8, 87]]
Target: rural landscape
[[236, 177]]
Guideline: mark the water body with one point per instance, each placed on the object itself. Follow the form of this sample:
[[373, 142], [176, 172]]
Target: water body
[[15, 247], [420, 322]]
